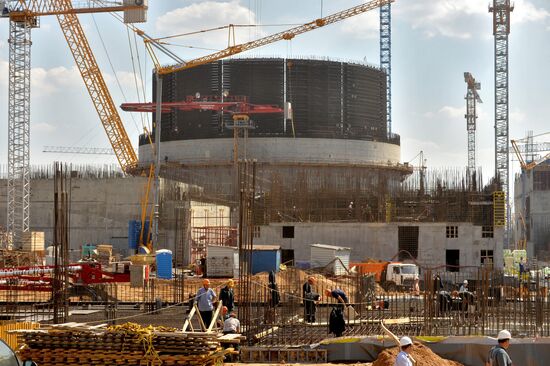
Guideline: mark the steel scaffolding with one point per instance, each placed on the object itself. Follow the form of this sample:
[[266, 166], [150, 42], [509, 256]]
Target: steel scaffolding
[[385, 56], [501, 10], [19, 129]]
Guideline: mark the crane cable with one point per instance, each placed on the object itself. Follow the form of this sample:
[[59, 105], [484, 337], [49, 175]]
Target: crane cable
[[135, 74], [112, 67]]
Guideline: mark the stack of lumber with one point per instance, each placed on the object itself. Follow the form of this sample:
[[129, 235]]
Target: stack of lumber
[[128, 344]]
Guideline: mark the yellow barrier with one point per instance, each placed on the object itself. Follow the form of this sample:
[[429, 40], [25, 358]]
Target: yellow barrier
[[11, 339]]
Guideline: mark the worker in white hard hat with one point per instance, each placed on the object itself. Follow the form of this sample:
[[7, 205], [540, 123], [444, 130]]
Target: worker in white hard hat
[[404, 357], [498, 355], [464, 286]]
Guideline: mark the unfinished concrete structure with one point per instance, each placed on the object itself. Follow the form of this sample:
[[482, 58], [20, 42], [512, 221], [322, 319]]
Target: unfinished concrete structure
[[532, 210]]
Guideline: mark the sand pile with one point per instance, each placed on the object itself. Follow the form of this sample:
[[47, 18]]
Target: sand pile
[[422, 354]]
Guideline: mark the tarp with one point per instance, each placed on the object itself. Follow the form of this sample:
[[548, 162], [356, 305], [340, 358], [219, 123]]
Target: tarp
[[470, 351]]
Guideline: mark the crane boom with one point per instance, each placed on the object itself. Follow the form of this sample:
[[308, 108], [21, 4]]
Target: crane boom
[[285, 35], [19, 9], [95, 83]]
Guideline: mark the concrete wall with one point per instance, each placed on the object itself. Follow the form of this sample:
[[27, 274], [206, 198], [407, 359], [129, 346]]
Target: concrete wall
[[380, 241], [101, 209], [536, 214], [279, 150]]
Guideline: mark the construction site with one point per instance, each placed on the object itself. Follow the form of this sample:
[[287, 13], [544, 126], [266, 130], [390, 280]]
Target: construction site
[[264, 214]]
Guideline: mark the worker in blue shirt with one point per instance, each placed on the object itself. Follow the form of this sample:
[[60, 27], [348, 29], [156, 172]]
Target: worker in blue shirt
[[339, 295], [205, 299], [404, 357], [498, 355]]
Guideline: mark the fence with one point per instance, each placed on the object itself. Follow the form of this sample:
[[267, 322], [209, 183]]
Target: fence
[[277, 316]]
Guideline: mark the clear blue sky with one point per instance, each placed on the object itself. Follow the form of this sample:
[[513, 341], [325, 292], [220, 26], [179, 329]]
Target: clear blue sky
[[434, 42]]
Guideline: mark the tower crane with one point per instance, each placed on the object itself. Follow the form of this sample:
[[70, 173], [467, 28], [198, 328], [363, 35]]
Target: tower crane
[[529, 165], [25, 15], [472, 98]]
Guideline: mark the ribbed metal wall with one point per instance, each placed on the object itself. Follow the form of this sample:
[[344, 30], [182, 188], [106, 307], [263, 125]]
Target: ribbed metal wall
[[330, 99]]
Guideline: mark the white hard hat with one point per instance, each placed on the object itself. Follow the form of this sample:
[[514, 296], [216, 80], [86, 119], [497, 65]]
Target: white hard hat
[[465, 282], [503, 335], [405, 341]]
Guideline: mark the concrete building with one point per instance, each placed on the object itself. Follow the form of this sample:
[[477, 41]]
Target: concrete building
[[431, 244], [532, 210], [102, 206]]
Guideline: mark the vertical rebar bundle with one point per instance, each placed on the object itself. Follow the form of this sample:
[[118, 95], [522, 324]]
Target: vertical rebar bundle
[[19, 129], [60, 283]]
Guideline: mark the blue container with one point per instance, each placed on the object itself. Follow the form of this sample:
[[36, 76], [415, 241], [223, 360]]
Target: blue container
[[164, 264], [266, 258], [134, 230]]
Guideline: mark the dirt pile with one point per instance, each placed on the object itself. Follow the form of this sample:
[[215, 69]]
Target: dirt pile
[[422, 354]]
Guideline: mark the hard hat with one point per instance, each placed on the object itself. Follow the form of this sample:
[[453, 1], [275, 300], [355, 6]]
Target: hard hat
[[206, 281], [231, 283], [405, 341], [311, 278], [503, 335], [465, 282]]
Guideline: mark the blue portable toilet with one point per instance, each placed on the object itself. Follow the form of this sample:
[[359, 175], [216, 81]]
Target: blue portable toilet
[[164, 264], [266, 258]]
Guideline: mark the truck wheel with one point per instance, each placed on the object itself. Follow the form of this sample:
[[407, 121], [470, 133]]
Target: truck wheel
[[390, 287]]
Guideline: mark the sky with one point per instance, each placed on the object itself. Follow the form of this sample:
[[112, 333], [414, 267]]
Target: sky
[[433, 43]]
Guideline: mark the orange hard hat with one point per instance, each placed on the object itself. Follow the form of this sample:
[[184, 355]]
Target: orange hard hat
[[206, 281]]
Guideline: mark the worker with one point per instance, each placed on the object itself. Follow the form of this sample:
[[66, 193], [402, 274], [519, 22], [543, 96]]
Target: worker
[[205, 299], [309, 298], [227, 296], [416, 287], [339, 295], [498, 355], [232, 325], [404, 357], [464, 286]]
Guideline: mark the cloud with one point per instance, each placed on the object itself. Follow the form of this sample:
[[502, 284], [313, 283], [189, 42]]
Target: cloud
[[206, 15], [42, 127], [464, 19], [447, 111], [365, 26], [4, 70], [57, 79], [518, 116]]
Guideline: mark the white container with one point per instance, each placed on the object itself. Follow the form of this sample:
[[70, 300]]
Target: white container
[[334, 258], [33, 241], [222, 261]]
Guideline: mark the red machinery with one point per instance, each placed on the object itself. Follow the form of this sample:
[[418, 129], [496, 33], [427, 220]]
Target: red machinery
[[229, 104], [39, 278]]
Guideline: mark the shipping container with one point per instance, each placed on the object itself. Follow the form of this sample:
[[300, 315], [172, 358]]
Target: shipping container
[[266, 258], [222, 261], [333, 258]]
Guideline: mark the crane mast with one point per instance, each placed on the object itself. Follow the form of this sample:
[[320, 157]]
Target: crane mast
[[24, 15]]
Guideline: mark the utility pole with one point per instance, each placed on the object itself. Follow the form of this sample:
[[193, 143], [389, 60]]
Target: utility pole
[[501, 10], [472, 98], [156, 203]]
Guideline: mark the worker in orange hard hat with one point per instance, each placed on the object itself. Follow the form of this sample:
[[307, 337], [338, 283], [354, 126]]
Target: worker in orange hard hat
[[309, 298], [205, 299], [227, 296]]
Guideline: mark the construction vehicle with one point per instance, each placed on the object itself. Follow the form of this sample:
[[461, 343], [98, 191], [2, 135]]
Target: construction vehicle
[[40, 278], [392, 276]]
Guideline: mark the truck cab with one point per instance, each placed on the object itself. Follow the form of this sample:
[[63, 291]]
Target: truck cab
[[8, 357], [399, 275]]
